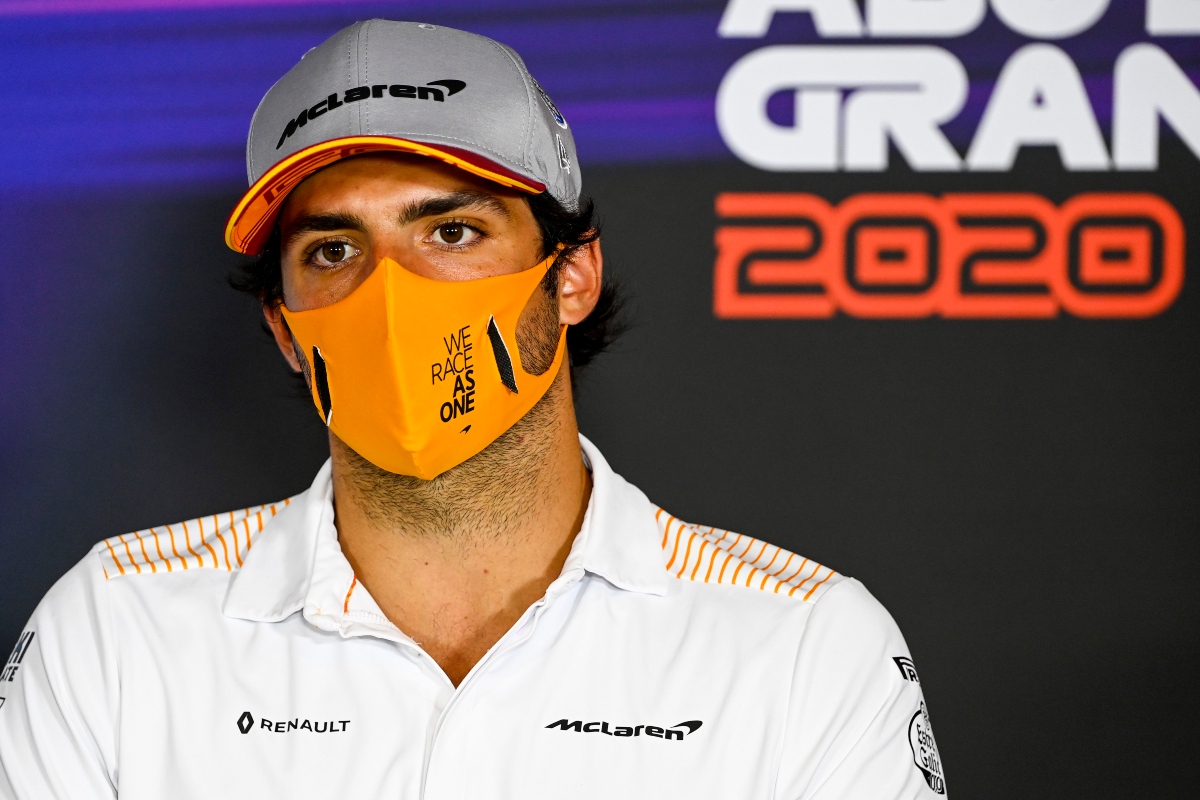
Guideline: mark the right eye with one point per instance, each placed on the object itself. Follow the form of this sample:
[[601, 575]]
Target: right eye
[[331, 254]]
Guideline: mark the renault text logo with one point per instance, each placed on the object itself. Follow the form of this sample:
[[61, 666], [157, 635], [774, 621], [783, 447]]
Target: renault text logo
[[672, 732], [245, 724]]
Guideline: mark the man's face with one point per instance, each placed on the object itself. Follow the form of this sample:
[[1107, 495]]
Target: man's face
[[433, 219]]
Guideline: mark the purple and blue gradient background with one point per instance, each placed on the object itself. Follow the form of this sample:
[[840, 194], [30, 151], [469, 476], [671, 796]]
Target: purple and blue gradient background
[[1021, 495], [137, 93]]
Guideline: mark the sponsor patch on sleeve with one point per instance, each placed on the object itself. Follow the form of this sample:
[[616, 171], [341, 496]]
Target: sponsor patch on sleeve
[[11, 667], [924, 750], [907, 670]]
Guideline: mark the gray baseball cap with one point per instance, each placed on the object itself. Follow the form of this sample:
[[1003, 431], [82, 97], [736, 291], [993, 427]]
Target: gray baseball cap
[[403, 87]]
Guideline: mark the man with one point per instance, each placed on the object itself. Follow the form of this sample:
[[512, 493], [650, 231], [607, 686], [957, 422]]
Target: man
[[468, 601]]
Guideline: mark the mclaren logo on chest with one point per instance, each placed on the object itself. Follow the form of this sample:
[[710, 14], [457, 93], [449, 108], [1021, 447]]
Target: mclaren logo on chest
[[674, 732], [434, 90]]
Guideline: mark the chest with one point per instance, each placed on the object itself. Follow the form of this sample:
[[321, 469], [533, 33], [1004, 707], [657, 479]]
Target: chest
[[299, 715]]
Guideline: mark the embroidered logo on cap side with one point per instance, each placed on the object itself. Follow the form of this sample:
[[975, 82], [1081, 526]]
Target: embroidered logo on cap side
[[558, 117], [564, 160]]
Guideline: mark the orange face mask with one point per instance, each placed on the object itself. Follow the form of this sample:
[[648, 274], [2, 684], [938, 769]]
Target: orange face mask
[[418, 375]]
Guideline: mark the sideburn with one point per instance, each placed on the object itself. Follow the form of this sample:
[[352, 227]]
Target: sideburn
[[538, 326], [305, 369]]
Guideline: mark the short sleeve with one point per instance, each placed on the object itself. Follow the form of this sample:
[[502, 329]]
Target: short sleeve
[[857, 724], [59, 689]]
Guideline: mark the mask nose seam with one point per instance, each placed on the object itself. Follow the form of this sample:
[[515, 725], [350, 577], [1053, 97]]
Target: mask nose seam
[[389, 298]]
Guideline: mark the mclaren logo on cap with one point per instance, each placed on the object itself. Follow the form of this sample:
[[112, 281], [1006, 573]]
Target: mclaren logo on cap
[[434, 90]]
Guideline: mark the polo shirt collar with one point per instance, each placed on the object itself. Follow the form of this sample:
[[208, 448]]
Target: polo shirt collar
[[277, 570], [296, 563], [619, 538]]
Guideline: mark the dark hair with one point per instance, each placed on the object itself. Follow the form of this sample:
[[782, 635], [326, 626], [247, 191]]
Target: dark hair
[[262, 277]]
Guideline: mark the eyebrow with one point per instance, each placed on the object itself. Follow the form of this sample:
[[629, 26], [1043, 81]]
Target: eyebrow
[[453, 201], [411, 212], [316, 223]]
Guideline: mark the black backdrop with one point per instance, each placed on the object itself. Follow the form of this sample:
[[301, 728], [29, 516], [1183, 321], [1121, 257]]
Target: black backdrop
[[1022, 495]]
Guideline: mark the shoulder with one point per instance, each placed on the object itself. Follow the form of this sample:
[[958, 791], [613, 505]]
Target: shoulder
[[707, 555], [216, 542], [205, 547], [837, 620]]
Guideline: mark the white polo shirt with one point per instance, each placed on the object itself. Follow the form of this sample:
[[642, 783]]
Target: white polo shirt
[[236, 656]]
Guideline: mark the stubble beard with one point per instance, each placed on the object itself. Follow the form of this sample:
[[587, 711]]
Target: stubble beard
[[493, 491], [490, 493]]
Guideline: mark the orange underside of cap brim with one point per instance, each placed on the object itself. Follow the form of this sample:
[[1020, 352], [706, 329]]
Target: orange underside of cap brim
[[250, 223]]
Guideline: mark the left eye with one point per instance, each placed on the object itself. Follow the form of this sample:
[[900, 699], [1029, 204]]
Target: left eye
[[454, 233]]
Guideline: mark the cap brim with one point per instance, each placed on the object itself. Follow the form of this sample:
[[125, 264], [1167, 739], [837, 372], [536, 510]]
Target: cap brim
[[250, 224]]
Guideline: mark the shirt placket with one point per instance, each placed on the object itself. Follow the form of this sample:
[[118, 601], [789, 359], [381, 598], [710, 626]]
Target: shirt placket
[[435, 778]]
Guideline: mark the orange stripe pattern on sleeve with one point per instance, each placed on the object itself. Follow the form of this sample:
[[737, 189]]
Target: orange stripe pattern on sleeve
[[208, 540], [711, 555]]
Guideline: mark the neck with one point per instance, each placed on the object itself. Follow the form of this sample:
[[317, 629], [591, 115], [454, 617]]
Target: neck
[[455, 561]]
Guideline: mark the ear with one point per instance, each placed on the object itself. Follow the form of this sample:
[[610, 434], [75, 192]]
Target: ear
[[579, 281], [283, 335]]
